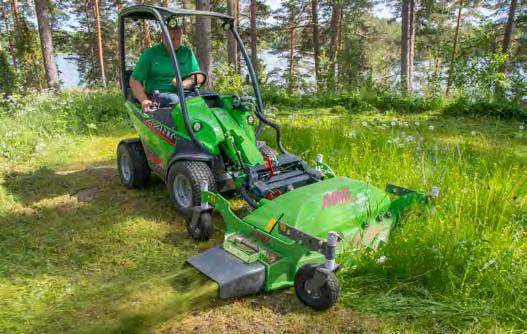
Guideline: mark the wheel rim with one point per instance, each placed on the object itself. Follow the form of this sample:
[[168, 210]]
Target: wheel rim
[[182, 191], [313, 293], [126, 169]]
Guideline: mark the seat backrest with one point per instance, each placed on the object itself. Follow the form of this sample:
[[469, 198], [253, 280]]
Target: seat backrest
[[126, 86]]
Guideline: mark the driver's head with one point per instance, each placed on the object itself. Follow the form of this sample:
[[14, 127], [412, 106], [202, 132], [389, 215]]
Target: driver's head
[[175, 35]]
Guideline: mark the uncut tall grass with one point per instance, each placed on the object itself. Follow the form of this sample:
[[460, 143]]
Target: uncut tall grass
[[467, 260]]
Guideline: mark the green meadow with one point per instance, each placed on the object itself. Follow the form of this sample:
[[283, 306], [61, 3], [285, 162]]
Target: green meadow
[[80, 253]]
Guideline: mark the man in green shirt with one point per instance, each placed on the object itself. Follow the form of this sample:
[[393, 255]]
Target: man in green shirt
[[154, 71]]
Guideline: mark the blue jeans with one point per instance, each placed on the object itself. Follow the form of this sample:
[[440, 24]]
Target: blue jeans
[[166, 99]]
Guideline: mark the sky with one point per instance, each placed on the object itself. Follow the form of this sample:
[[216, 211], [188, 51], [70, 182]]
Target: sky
[[379, 10]]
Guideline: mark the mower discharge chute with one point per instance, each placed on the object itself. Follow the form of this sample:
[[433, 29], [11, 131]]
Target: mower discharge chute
[[206, 145]]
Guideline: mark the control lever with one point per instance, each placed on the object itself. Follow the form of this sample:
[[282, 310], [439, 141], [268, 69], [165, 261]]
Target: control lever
[[156, 103]]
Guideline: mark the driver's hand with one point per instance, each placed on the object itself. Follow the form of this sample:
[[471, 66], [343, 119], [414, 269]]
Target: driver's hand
[[146, 104], [188, 83]]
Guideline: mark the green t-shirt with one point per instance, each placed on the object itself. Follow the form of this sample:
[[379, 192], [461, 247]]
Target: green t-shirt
[[154, 68]]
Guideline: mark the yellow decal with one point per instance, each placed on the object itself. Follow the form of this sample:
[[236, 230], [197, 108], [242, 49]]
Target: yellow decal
[[282, 227], [212, 199], [270, 224]]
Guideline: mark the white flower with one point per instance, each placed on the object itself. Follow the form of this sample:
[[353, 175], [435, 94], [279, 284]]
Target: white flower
[[473, 133], [521, 127], [405, 124], [409, 139], [392, 123], [382, 259], [431, 127], [488, 263], [364, 124], [351, 135], [417, 123]]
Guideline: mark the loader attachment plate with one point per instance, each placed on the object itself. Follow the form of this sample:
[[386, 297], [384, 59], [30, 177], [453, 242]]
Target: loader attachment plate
[[235, 277]]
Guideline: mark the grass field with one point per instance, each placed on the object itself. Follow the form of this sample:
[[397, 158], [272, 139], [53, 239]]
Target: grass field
[[80, 253]]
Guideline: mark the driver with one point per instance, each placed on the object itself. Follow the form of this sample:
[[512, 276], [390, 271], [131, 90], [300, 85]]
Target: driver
[[154, 69]]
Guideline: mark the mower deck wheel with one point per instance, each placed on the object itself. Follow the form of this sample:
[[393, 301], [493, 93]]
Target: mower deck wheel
[[201, 229], [320, 298], [185, 179], [132, 165]]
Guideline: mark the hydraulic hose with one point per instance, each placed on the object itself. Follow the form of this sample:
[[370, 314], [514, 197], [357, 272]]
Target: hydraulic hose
[[259, 103]]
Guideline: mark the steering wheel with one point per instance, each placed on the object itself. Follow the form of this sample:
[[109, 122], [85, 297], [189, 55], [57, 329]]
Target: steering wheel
[[194, 76]]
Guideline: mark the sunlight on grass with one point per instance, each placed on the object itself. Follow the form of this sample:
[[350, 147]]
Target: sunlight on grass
[[79, 252]]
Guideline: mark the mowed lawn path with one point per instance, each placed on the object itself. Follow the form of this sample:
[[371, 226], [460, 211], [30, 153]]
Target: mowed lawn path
[[81, 253]]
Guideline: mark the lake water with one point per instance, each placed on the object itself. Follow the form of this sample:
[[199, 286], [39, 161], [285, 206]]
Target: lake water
[[274, 65]]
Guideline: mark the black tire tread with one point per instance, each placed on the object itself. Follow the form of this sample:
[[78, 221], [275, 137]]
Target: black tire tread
[[265, 150], [140, 169], [198, 171], [331, 286]]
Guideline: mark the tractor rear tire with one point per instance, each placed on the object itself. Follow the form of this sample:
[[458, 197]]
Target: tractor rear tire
[[266, 151], [185, 179], [322, 299], [202, 228], [132, 165]]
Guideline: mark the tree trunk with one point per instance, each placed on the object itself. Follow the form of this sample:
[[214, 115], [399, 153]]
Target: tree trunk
[[237, 23], [407, 44], [15, 12], [316, 38], [412, 47], [147, 40], [231, 42], [203, 34], [339, 45], [99, 41], [254, 51], [454, 49], [292, 42], [507, 36], [334, 42], [10, 36], [46, 43], [118, 6]]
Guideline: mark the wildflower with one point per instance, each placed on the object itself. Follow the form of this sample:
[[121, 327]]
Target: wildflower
[[473, 133], [417, 123], [521, 127], [351, 135], [421, 138], [431, 127], [365, 124], [409, 139], [40, 147], [392, 123], [405, 124], [488, 264], [382, 259]]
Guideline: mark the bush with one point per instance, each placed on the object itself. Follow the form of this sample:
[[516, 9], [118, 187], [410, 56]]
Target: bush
[[26, 121], [378, 100]]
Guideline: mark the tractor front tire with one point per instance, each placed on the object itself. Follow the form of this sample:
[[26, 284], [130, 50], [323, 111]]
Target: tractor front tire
[[266, 151], [320, 299], [132, 165], [202, 228], [185, 179]]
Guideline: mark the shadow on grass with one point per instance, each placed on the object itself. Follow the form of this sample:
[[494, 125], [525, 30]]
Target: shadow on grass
[[78, 241], [105, 258]]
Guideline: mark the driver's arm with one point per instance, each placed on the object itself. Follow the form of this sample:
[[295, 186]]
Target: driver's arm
[[139, 93], [139, 75]]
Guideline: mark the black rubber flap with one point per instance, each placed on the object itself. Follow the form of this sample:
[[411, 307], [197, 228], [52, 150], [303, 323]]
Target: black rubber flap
[[235, 277]]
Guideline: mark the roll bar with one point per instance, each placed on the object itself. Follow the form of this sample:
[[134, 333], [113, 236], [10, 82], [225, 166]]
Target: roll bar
[[160, 14]]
